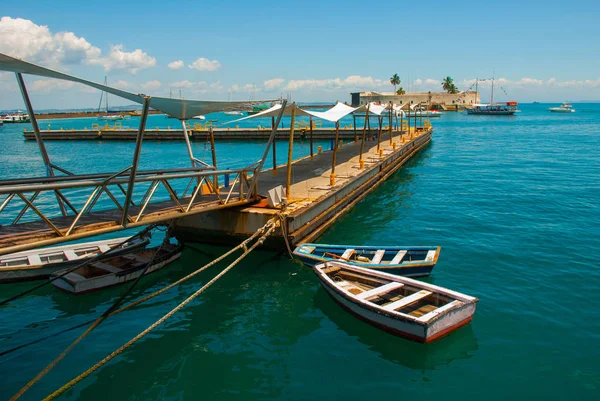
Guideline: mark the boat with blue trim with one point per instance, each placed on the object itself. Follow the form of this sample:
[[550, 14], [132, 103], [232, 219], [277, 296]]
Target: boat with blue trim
[[409, 261]]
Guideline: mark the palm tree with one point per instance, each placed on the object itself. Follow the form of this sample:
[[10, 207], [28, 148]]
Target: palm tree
[[400, 91], [448, 85], [395, 80]]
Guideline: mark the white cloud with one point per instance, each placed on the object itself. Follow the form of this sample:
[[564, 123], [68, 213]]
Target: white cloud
[[176, 65], [151, 85], [204, 64], [244, 88], [121, 84], [430, 81], [23, 39], [273, 83], [118, 59], [351, 82], [188, 84]]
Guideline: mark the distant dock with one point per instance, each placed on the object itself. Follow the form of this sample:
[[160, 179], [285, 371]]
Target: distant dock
[[202, 134]]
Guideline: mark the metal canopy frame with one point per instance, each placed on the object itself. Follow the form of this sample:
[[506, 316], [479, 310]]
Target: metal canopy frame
[[204, 175]]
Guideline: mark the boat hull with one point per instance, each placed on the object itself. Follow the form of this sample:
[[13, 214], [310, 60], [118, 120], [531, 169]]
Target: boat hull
[[491, 113], [43, 271], [406, 329], [411, 268], [110, 280]]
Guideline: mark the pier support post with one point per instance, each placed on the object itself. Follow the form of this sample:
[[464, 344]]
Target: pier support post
[[136, 159], [38, 138], [311, 138], [391, 122], [274, 147], [188, 144], [379, 133], [288, 181], [214, 160], [335, 148], [261, 163], [362, 141], [408, 120]]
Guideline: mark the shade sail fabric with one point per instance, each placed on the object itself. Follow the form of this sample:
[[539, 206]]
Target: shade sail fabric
[[274, 112], [377, 109], [178, 108], [334, 114]]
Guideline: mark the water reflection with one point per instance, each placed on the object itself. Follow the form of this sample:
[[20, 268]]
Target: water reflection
[[461, 344]]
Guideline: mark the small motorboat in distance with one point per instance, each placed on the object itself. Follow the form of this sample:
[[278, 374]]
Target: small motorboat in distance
[[563, 108], [38, 264], [405, 307], [117, 270], [410, 261]]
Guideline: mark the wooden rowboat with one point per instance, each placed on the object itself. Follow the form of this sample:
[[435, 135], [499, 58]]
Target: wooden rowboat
[[117, 270], [405, 307], [411, 261], [38, 264]]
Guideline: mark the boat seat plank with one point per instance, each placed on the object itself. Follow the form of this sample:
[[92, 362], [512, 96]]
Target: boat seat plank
[[380, 290], [104, 248], [105, 266], [347, 254], [74, 278], [70, 255], [439, 310], [378, 256], [34, 260], [330, 269], [411, 299], [398, 258], [430, 255]]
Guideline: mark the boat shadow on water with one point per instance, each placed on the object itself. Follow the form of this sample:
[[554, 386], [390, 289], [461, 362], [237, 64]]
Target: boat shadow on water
[[461, 344]]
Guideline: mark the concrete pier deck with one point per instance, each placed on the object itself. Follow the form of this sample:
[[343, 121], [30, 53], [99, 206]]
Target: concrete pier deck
[[314, 205]]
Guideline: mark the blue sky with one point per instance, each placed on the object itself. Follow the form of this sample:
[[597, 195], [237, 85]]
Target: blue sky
[[319, 51]]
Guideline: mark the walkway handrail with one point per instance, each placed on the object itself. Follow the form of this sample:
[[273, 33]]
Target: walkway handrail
[[113, 180], [73, 177]]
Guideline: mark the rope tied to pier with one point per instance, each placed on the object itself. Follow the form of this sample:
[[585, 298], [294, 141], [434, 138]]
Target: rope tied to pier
[[95, 324], [87, 261], [264, 231]]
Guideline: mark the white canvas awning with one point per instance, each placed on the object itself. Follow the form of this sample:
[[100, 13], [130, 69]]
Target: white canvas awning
[[334, 114], [178, 108]]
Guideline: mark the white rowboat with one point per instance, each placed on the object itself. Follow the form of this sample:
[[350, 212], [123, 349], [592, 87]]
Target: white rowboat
[[117, 270], [38, 264], [405, 307]]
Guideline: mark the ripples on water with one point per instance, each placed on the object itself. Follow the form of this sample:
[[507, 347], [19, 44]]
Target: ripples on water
[[512, 201]]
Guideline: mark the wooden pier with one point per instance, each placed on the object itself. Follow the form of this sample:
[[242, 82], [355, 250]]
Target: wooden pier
[[314, 204], [230, 134]]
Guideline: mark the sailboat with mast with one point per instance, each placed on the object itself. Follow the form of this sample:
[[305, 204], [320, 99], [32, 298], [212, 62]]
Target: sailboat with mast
[[106, 114], [493, 109]]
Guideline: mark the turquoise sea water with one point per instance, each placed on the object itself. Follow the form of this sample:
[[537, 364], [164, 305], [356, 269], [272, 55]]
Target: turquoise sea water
[[514, 203]]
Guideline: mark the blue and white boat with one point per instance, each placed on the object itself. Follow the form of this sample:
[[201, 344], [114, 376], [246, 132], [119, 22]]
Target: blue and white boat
[[409, 261]]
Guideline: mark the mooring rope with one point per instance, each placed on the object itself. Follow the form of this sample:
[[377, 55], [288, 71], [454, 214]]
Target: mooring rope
[[84, 263], [242, 245], [266, 230], [93, 326]]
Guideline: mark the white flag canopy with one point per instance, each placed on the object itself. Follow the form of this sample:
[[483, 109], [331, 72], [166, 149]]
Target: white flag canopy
[[178, 108]]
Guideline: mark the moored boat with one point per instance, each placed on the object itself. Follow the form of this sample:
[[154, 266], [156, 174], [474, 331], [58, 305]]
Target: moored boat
[[117, 270], [38, 264], [405, 307], [16, 118], [410, 261], [493, 109], [563, 108]]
